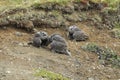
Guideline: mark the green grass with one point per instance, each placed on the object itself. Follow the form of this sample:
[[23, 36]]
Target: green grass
[[8, 4], [111, 3], [49, 75], [116, 31], [59, 1], [117, 26]]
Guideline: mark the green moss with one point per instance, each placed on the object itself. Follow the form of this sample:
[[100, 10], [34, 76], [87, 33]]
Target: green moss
[[56, 13], [115, 33], [77, 0], [50, 75], [117, 25], [17, 2], [59, 1], [112, 3], [109, 56], [92, 47], [50, 3]]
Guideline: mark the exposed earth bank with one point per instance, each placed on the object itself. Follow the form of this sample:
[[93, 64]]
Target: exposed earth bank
[[19, 61]]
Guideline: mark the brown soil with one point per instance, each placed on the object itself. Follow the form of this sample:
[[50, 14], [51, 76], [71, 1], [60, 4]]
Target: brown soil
[[19, 62]]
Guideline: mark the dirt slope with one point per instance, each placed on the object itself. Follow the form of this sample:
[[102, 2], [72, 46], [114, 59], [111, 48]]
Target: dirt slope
[[19, 61]]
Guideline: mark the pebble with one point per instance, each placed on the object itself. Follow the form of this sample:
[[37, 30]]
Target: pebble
[[90, 78], [93, 67], [20, 44], [24, 44], [0, 51], [8, 72], [89, 70], [35, 30], [29, 59], [18, 34]]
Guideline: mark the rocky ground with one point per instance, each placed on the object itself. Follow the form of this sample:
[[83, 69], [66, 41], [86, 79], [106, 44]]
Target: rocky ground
[[19, 61]]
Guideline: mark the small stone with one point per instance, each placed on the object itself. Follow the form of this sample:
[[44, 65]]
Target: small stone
[[93, 67], [90, 78], [29, 59], [0, 51], [25, 45], [20, 44], [89, 70], [8, 72], [18, 34], [35, 30]]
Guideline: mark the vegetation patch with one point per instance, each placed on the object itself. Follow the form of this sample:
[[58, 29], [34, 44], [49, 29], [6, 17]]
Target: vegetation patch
[[59, 1], [73, 17], [51, 19], [50, 75], [49, 6], [13, 11], [117, 25], [109, 56], [115, 33], [92, 47], [58, 13]]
